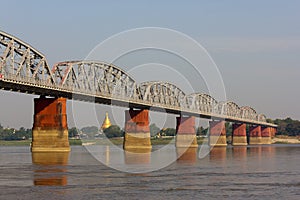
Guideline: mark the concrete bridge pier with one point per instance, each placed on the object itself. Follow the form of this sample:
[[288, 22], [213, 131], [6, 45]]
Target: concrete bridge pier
[[266, 134], [255, 135], [137, 131], [217, 133], [273, 131], [50, 129], [239, 135], [185, 132]]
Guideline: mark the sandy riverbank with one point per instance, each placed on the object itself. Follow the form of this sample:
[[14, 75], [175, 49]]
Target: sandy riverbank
[[286, 139]]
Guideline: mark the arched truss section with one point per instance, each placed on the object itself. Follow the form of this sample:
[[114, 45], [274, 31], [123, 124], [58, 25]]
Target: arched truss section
[[21, 62], [95, 77], [230, 109], [248, 113], [162, 93], [202, 102], [261, 118]]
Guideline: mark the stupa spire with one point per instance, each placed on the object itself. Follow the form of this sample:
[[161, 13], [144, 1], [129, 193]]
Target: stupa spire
[[106, 123]]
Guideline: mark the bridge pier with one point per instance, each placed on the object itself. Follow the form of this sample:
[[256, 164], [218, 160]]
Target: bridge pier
[[137, 131], [217, 133], [50, 129], [266, 134], [239, 135], [255, 135], [185, 132], [274, 131]]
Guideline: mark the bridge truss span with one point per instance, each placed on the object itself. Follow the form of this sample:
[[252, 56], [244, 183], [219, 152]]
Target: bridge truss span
[[163, 93], [202, 102], [20, 62], [24, 69], [95, 78]]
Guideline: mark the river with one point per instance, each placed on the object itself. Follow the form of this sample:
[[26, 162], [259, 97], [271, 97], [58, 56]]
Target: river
[[253, 172]]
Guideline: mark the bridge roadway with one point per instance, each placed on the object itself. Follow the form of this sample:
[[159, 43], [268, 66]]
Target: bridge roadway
[[24, 69]]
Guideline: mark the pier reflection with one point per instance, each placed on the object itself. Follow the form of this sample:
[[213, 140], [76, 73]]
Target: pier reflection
[[50, 168], [218, 154], [187, 155], [137, 156], [240, 152]]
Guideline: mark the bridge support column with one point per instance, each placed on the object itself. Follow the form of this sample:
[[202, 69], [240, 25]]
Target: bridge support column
[[255, 134], [137, 131], [185, 132], [50, 129], [273, 131], [266, 134], [217, 133], [239, 135]]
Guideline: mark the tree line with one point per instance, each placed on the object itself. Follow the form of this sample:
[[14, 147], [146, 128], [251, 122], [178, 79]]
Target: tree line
[[286, 126]]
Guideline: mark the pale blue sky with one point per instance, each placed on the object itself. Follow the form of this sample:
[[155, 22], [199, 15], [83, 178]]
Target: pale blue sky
[[255, 44]]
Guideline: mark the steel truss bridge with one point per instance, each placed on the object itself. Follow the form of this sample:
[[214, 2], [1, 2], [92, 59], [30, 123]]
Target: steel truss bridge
[[24, 69]]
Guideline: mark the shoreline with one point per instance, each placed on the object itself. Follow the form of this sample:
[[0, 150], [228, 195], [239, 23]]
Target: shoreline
[[156, 141]]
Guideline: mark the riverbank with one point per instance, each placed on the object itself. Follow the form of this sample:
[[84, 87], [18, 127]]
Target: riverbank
[[282, 139], [28, 142], [154, 141], [119, 141]]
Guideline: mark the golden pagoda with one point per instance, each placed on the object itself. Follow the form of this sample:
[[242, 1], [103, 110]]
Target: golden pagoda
[[106, 122]]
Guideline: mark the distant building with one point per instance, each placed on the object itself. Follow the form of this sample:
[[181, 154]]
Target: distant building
[[106, 123]]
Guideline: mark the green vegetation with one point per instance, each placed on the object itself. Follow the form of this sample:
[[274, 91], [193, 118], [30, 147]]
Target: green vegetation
[[115, 141], [73, 132], [113, 131], [14, 134], [15, 142], [11, 136], [154, 130], [200, 131], [287, 126], [89, 131], [162, 141], [75, 142], [281, 142]]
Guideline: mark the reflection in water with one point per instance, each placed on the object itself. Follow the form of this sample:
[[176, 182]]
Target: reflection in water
[[50, 168], [218, 154], [268, 150], [240, 152], [262, 152], [137, 156], [272, 173], [187, 155]]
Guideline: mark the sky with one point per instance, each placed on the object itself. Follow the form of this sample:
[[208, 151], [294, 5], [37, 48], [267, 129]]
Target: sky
[[254, 44]]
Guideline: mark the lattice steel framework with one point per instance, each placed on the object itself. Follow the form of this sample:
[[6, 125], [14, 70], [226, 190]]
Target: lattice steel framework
[[21, 62], [229, 108], [95, 78], [202, 102], [248, 113], [164, 93], [24, 69]]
